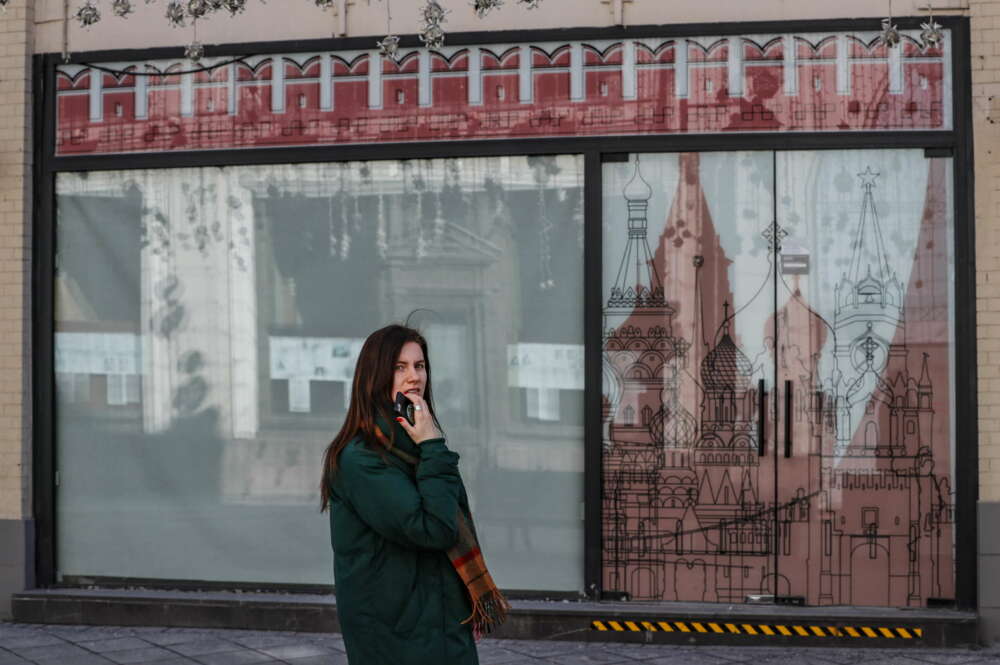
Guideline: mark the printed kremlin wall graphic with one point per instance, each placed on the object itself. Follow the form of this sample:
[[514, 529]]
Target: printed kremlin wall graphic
[[754, 83], [864, 503]]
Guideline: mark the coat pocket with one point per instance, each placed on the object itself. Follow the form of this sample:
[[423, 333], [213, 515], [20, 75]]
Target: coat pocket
[[398, 588], [411, 612]]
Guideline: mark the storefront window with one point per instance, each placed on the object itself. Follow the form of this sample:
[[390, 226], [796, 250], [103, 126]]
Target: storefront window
[[779, 363], [207, 325]]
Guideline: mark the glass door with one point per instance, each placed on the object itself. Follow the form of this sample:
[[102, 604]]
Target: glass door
[[777, 378], [865, 375], [688, 483]]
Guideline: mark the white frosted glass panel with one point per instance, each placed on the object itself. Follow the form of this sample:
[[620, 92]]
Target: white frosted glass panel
[[208, 322]]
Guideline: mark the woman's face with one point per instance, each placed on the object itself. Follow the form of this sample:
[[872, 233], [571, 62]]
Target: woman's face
[[410, 371]]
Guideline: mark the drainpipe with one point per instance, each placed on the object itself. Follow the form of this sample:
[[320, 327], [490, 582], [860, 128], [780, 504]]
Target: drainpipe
[[341, 30]]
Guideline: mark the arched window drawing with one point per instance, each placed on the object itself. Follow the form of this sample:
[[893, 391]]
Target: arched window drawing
[[629, 416], [637, 372], [871, 435], [647, 415]]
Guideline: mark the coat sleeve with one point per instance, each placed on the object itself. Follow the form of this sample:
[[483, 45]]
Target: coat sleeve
[[419, 515]]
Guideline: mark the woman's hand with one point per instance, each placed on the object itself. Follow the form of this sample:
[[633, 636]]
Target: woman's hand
[[423, 428]]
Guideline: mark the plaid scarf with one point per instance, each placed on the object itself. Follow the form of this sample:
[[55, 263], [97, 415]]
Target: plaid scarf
[[489, 607]]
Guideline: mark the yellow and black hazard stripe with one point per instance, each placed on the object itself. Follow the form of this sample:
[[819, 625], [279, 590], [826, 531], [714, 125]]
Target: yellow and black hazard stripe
[[759, 629]]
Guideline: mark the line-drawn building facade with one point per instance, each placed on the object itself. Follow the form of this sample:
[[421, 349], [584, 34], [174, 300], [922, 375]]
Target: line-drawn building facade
[[691, 507]]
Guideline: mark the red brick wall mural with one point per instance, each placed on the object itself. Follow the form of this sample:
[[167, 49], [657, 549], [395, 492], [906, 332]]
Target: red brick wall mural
[[849, 320], [800, 82]]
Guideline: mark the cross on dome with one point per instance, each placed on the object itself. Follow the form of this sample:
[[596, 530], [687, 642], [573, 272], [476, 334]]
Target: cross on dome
[[774, 234], [869, 346]]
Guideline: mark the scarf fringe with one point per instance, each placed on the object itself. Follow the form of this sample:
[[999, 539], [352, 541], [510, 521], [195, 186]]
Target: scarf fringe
[[488, 612]]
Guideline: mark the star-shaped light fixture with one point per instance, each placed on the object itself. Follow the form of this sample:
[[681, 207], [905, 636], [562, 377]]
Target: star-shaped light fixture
[[484, 7], [931, 34], [122, 8], [195, 51], [890, 33], [433, 15], [88, 14], [389, 46]]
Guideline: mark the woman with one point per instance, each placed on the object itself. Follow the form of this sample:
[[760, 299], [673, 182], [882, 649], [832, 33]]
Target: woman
[[412, 588]]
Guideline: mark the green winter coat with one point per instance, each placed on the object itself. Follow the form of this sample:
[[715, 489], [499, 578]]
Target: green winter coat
[[399, 600]]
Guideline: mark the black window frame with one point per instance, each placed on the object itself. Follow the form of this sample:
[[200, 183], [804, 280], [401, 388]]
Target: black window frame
[[956, 142]]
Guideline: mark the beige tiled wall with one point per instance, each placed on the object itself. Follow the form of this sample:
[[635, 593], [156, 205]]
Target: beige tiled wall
[[986, 128], [16, 46], [300, 19], [16, 37]]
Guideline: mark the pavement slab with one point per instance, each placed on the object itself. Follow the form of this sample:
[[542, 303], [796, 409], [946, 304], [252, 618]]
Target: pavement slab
[[241, 657], [681, 658], [597, 657], [488, 656], [204, 646], [146, 654], [114, 644], [7, 658], [337, 659], [85, 659], [36, 653], [12, 641], [26, 644], [291, 651], [171, 637], [969, 658]]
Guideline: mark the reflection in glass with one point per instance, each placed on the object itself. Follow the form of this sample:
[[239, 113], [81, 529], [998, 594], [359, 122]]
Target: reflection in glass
[[208, 321]]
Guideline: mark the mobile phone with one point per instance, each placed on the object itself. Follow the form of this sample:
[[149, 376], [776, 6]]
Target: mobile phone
[[404, 407]]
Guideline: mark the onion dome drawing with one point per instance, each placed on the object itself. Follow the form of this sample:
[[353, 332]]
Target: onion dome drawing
[[638, 192], [674, 427], [804, 333], [726, 368], [637, 283]]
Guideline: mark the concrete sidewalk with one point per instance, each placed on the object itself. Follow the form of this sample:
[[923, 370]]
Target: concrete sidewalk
[[21, 644]]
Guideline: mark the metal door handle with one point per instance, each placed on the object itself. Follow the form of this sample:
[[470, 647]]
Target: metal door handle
[[761, 411], [788, 418]]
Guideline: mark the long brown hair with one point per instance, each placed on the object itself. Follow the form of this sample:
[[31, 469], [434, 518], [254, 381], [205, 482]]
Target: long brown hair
[[373, 378]]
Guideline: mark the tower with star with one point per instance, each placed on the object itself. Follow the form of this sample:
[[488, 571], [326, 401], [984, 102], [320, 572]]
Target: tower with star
[[869, 309]]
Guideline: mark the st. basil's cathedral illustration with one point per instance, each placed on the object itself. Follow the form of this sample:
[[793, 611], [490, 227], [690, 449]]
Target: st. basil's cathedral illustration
[[862, 513]]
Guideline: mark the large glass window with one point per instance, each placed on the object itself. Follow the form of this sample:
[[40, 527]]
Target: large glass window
[[779, 377], [207, 325]]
